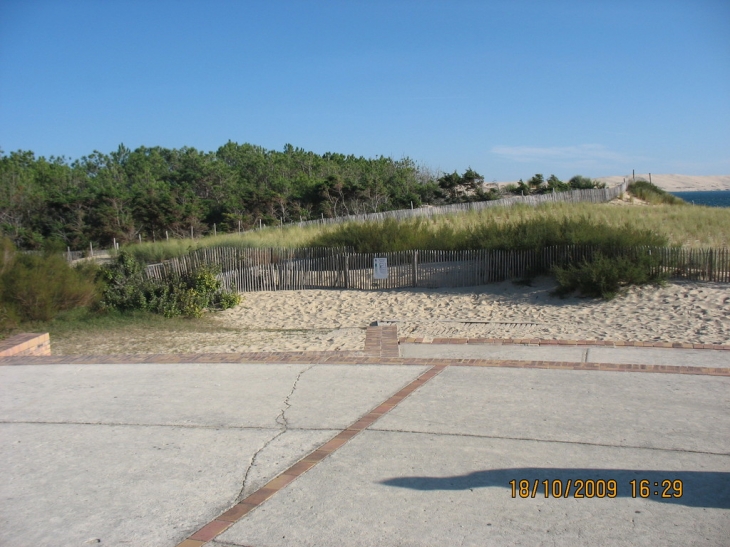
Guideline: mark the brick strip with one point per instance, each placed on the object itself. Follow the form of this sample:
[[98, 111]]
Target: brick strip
[[389, 342], [226, 519], [382, 341], [373, 340], [541, 342], [29, 343]]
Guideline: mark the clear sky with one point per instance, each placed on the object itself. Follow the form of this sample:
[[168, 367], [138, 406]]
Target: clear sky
[[510, 88]]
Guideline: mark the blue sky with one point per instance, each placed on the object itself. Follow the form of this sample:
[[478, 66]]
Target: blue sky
[[509, 88]]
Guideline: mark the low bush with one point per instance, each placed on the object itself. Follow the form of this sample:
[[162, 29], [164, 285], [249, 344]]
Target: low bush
[[643, 189], [605, 276], [37, 287], [579, 182], [126, 288]]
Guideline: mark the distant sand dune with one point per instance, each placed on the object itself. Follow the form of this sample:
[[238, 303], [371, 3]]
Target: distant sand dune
[[671, 183], [678, 183]]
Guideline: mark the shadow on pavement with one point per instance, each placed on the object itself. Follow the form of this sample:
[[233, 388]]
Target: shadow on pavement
[[709, 489]]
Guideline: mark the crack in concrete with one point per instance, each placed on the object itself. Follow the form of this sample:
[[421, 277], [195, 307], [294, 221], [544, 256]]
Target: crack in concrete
[[282, 422], [499, 437], [252, 462], [287, 405]]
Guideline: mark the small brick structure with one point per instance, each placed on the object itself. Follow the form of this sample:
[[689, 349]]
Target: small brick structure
[[30, 343]]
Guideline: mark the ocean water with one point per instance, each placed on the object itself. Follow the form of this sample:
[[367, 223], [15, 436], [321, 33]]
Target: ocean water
[[716, 198]]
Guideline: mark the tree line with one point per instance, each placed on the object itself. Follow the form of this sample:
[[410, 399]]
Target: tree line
[[157, 192]]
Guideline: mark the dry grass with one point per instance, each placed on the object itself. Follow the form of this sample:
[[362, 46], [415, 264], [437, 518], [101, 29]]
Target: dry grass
[[688, 226]]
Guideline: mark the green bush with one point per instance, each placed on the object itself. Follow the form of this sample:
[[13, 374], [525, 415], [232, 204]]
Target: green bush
[[579, 182], [554, 183], [36, 287], [643, 189], [187, 295], [228, 300], [605, 276]]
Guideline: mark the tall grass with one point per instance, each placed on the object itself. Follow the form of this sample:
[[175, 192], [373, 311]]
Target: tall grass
[[690, 227], [286, 237], [525, 234]]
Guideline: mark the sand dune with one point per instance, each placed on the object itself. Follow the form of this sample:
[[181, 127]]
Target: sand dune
[[678, 183], [671, 183]]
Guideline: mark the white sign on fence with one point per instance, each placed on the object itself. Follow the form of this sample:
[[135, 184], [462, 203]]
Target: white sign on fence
[[380, 268]]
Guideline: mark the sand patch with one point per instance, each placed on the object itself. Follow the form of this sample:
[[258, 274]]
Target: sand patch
[[336, 320]]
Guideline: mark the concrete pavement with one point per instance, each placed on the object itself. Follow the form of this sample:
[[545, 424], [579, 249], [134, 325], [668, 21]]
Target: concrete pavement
[[149, 454], [577, 354]]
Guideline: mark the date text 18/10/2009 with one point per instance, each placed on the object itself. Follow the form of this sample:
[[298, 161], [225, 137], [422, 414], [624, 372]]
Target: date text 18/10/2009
[[590, 488]]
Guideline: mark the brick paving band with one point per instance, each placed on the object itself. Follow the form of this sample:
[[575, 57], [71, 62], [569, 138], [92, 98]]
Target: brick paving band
[[226, 519]]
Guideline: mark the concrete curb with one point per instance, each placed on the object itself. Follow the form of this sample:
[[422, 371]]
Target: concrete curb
[[543, 342]]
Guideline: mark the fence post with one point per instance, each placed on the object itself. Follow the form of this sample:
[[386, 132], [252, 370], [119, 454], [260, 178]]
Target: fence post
[[69, 253], [167, 237], [91, 248], [415, 268], [347, 271], [709, 266]]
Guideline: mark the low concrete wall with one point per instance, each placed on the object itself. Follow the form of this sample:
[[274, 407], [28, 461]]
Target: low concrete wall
[[26, 344]]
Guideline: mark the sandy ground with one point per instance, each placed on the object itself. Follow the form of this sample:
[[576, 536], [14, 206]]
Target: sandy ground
[[336, 320]]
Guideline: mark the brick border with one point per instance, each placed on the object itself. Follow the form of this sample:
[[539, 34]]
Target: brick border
[[544, 342], [29, 343], [228, 518]]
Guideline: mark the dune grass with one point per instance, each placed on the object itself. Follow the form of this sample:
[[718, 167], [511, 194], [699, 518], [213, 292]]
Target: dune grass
[[687, 226], [286, 237], [645, 190]]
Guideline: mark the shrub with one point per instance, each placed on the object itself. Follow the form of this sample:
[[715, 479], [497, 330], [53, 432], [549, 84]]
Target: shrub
[[228, 300], [38, 287], [643, 189], [187, 295], [605, 276], [554, 183], [580, 182]]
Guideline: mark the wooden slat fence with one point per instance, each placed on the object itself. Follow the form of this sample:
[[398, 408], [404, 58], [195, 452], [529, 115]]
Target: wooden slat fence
[[247, 270], [596, 195]]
